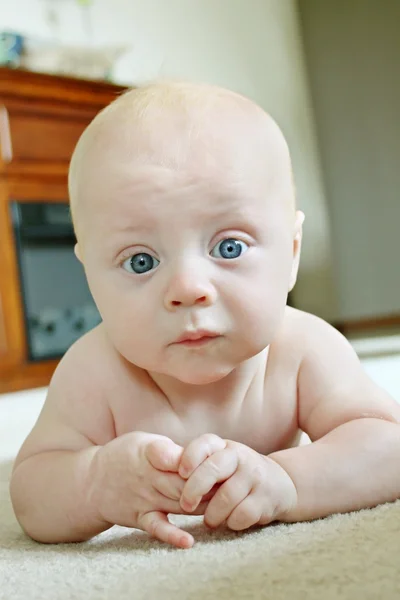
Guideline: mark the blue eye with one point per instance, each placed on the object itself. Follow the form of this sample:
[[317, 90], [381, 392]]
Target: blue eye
[[229, 248], [141, 263]]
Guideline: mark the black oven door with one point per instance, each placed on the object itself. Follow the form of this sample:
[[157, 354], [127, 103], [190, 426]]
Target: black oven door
[[58, 306]]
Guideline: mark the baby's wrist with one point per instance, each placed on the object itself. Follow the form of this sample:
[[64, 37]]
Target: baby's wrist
[[287, 493], [96, 484]]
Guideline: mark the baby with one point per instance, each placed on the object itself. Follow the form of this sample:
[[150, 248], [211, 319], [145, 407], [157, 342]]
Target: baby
[[191, 395]]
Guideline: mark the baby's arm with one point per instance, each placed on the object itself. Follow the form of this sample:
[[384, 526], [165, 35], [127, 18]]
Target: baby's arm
[[50, 480], [354, 426], [73, 478]]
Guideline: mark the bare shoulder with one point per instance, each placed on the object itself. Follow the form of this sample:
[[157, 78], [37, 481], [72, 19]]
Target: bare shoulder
[[76, 412], [332, 385], [294, 332], [298, 323], [287, 348]]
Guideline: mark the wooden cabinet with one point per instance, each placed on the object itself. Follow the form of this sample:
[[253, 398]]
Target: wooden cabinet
[[41, 119]]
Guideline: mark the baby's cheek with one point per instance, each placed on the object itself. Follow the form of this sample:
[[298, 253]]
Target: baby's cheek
[[261, 313], [128, 331], [134, 337]]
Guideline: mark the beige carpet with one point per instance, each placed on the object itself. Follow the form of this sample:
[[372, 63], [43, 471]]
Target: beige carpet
[[342, 557]]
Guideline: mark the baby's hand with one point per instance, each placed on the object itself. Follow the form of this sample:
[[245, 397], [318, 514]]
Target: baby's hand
[[136, 484], [254, 490]]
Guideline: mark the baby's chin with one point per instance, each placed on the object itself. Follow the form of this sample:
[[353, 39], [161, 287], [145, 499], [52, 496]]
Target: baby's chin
[[197, 377], [196, 374], [182, 371]]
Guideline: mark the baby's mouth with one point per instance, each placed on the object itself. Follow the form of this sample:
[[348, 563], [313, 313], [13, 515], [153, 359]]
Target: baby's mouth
[[200, 342], [197, 338]]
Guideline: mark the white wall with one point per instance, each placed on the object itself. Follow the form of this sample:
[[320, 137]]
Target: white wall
[[252, 46], [353, 55]]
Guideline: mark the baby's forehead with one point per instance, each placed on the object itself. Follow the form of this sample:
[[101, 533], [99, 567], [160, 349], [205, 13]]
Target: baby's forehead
[[212, 133], [151, 192]]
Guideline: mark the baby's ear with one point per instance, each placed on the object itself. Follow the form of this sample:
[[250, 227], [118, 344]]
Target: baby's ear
[[77, 252], [298, 234]]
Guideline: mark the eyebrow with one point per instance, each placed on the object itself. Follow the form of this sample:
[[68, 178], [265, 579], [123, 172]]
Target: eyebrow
[[237, 214], [134, 228], [149, 224]]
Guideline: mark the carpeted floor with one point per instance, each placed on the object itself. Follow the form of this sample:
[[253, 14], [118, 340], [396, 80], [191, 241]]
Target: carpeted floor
[[355, 556]]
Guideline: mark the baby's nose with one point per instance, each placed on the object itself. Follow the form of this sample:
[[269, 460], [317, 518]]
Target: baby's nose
[[188, 290]]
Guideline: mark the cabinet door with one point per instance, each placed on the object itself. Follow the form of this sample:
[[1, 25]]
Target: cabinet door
[[12, 339], [38, 140]]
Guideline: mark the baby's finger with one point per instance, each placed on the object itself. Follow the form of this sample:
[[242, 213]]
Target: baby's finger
[[197, 452], [166, 505], [246, 514], [164, 455], [207, 497], [169, 485], [226, 499], [218, 467], [157, 525]]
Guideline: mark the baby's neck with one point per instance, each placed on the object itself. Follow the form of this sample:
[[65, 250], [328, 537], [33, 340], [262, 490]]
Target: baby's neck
[[226, 393]]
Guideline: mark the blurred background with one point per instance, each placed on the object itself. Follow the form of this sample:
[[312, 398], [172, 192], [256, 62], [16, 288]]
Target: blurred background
[[328, 71]]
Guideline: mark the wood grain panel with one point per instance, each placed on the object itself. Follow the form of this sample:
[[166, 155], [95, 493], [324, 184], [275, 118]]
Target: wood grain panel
[[41, 119]]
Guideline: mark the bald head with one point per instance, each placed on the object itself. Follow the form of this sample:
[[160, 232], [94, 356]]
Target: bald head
[[179, 125]]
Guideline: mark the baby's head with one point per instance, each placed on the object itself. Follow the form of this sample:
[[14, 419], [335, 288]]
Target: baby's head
[[183, 205]]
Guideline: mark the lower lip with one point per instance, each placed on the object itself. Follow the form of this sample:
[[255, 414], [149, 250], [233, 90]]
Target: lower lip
[[200, 342]]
